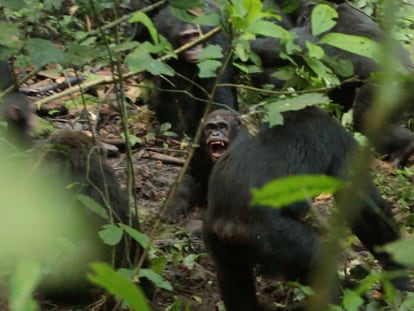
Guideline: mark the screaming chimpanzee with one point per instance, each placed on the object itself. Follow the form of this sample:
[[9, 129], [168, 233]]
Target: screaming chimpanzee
[[17, 111], [72, 158], [276, 242], [219, 130], [180, 100], [397, 140]]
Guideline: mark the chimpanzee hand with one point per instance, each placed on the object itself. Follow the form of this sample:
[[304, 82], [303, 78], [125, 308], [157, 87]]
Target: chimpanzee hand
[[180, 204]]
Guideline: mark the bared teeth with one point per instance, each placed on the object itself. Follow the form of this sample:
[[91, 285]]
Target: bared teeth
[[217, 148]]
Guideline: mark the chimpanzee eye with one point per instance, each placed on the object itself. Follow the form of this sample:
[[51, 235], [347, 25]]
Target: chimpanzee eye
[[210, 126], [222, 125]]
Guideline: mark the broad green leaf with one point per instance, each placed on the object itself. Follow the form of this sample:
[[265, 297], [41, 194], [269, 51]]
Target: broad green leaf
[[93, 206], [402, 250], [186, 4], [307, 290], [268, 29], [140, 237], [322, 71], [183, 15], [22, 285], [212, 20], [275, 108], [211, 51], [284, 191], [165, 126], [158, 264], [43, 52], [342, 67], [352, 301], [314, 50], [354, 44], [141, 17], [13, 4], [157, 279], [9, 35], [208, 68], [111, 234], [242, 50], [322, 19], [273, 117], [408, 303], [118, 285], [284, 74], [139, 61], [253, 8]]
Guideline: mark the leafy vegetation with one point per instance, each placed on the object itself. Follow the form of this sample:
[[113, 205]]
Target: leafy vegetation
[[88, 34]]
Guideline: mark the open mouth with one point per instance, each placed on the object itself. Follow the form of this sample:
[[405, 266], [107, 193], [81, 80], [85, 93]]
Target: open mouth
[[216, 148]]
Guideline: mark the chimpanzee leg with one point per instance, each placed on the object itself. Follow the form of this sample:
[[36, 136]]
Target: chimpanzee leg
[[374, 226], [396, 141], [235, 277], [276, 246]]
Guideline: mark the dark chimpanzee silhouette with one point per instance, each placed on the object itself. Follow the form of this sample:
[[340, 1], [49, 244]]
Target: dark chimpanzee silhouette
[[219, 130], [16, 110], [72, 158], [181, 98], [276, 242], [397, 141]]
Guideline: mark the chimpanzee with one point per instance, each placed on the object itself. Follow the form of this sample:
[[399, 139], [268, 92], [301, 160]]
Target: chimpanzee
[[243, 238], [219, 130], [180, 100], [17, 111], [73, 160], [397, 141]]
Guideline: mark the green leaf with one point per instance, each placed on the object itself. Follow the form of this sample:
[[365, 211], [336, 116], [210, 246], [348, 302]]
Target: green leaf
[[157, 279], [118, 285], [141, 17], [352, 301], [408, 303], [186, 4], [140, 237], [111, 234], [322, 19], [93, 206], [10, 35], [22, 285], [43, 52], [322, 71], [208, 68], [268, 29], [342, 67], [13, 4], [273, 117], [402, 250], [140, 60], [211, 51], [307, 290], [314, 50], [253, 9], [275, 108], [354, 44], [284, 191], [212, 20], [165, 126]]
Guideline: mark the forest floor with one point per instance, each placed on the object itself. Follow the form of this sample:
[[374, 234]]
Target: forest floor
[[157, 160]]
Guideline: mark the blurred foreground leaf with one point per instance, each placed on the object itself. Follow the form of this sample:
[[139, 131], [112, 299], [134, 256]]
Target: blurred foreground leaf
[[284, 191], [118, 285]]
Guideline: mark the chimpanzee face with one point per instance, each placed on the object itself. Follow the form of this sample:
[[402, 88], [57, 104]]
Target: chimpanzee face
[[220, 129], [188, 34]]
